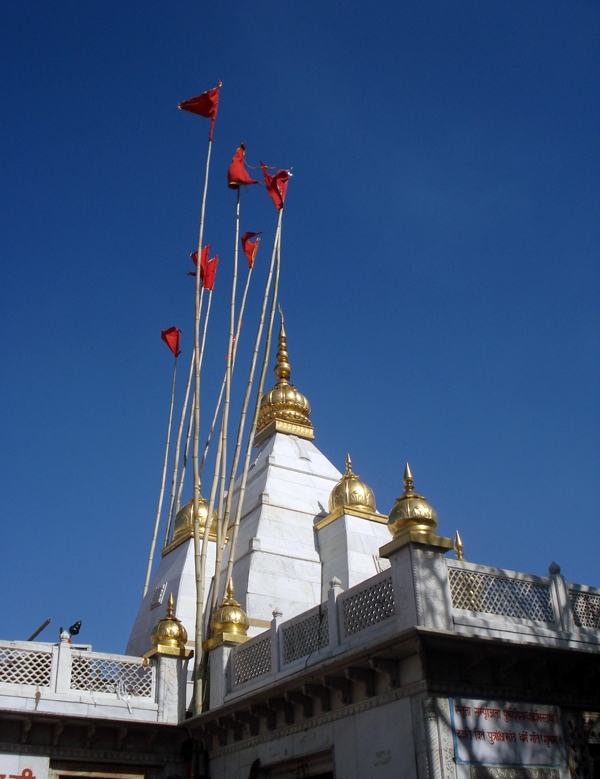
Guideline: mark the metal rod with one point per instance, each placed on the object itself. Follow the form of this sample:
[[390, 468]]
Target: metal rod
[[39, 630], [162, 484]]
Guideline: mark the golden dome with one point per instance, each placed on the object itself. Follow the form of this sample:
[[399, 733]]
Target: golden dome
[[169, 633], [351, 491], [184, 521], [411, 511], [230, 617], [283, 408]]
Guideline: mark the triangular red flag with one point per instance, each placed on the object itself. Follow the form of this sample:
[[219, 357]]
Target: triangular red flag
[[250, 247], [205, 105], [208, 279], [171, 337], [237, 175], [276, 185]]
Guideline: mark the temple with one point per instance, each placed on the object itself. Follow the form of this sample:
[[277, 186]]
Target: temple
[[347, 644]]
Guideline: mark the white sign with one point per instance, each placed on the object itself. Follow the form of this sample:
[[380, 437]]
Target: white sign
[[504, 733], [23, 767]]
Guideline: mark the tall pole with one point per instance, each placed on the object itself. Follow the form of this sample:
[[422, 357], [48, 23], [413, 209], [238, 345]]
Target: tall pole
[[200, 554], [162, 485], [261, 383], [196, 494]]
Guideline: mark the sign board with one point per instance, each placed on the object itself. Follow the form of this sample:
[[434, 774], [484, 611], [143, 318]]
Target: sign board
[[505, 733], [23, 767]]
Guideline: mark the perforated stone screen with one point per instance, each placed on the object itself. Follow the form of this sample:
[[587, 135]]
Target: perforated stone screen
[[302, 638], [96, 674], [368, 607], [475, 591], [18, 666], [586, 609], [250, 661]]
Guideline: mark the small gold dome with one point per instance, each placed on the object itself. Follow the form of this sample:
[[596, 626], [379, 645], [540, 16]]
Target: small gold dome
[[169, 632], [351, 491], [284, 404], [411, 511], [230, 617], [184, 521]]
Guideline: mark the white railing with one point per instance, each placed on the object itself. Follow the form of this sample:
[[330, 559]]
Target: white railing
[[65, 670], [585, 605], [252, 659], [366, 605], [493, 591], [304, 634]]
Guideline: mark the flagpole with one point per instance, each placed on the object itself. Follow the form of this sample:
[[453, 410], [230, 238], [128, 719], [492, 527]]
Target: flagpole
[[162, 484], [200, 554], [188, 438], [196, 493], [261, 382]]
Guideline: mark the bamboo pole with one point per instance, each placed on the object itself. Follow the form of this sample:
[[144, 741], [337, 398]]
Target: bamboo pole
[[162, 485], [188, 438], [261, 382], [235, 346], [200, 553], [196, 494]]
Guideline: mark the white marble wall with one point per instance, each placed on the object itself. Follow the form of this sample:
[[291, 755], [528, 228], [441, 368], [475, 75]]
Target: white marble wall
[[177, 570], [373, 742], [349, 548]]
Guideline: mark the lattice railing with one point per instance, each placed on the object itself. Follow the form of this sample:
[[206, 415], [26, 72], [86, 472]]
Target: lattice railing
[[492, 594], [305, 636], [24, 666], [252, 660], [100, 674], [368, 607], [586, 609]]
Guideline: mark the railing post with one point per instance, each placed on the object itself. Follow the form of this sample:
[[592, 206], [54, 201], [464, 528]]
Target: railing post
[[276, 660], [63, 665], [560, 598], [335, 630]]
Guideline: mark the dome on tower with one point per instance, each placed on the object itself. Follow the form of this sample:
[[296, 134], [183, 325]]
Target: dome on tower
[[230, 617], [169, 636], [184, 521], [351, 491], [411, 512], [283, 409]]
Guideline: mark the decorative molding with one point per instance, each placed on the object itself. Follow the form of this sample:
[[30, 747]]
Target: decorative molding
[[104, 755], [352, 511], [445, 728], [322, 719]]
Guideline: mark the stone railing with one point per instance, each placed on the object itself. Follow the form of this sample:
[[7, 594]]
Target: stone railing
[[347, 618], [59, 678], [522, 602]]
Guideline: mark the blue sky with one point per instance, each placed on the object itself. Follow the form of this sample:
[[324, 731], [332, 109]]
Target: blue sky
[[440, 267]]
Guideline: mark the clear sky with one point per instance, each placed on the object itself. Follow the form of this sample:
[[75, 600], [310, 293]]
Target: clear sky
[[440, 271]]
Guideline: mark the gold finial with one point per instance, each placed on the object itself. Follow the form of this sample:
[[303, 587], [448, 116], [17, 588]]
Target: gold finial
[[349, 466], [169, 635], [351, 492], [184, 524], [171, 607], [283, 409], [230, 618], [411, 511], [408, 479], [282, 368], [458, 546]]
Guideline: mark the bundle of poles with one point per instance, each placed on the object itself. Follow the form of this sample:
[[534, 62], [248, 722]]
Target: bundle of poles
[[226, 466]]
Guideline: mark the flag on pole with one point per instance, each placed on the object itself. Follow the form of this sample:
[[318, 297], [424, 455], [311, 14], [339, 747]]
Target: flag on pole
[[237, 175], [208, 277], [205, 105], [171, 337], [203, 260], [276, 185], [250, 247]]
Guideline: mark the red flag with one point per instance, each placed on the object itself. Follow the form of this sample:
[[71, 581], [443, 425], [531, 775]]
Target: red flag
[[276, 185], [205, 105], [237, 173], [250, 247], [203, 260], [208, 278], [171, 338]]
